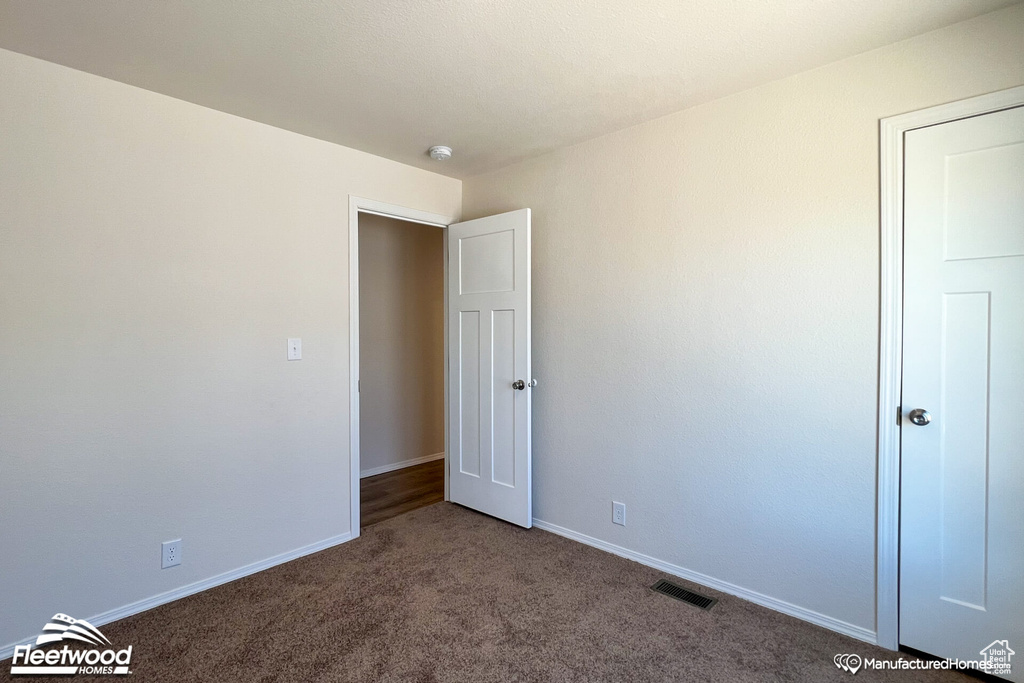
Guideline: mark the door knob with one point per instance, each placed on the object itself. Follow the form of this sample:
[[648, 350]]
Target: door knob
[[519, 385], [920, 417]]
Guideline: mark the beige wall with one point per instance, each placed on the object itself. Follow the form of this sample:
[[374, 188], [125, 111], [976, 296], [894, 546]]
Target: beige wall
[[154, 258], [706, 320], [401, 342]]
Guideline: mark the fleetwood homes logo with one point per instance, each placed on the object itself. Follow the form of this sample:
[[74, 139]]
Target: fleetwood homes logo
[[97, 658]]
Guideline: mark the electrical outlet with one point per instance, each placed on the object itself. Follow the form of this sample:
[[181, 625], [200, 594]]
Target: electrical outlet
[[170, 555], [619, 513]]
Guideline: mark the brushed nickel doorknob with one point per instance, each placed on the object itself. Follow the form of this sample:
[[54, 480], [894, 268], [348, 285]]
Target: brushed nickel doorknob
[[920, 417], [519, 385]]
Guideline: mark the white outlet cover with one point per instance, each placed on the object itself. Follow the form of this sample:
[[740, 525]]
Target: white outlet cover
[[294, 349], [170, 553], [619, 513]]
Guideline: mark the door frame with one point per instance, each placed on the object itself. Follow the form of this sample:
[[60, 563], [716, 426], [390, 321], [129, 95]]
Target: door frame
[[357, 205], [890, 365]]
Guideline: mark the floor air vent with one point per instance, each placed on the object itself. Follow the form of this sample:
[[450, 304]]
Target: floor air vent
[[680, 593]]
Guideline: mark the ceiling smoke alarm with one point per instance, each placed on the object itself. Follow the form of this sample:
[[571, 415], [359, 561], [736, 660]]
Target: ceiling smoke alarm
[[440, 153]]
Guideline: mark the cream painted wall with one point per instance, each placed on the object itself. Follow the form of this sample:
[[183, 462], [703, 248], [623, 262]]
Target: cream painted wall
[[154, 258], [401, 341], [706, 319]]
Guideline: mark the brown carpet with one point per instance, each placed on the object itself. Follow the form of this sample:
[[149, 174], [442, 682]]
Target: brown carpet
[[446, 594]]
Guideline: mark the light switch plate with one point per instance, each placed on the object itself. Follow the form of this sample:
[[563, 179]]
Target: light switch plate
[[294, 349]]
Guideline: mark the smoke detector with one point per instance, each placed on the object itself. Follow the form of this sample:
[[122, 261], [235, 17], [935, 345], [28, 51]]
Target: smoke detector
[[440, 153]]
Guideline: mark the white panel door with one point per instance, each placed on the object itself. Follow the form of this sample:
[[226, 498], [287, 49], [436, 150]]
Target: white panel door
[[489, 392], [962, 484]]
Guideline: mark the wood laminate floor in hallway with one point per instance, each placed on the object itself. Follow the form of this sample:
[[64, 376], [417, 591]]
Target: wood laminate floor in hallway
[[393, 493]]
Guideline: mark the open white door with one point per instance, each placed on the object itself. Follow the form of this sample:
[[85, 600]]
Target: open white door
[[962, 522], [489, 381]]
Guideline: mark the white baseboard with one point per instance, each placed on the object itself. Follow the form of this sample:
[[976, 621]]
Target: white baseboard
[[399, 465], [858, 632], [7, 651]]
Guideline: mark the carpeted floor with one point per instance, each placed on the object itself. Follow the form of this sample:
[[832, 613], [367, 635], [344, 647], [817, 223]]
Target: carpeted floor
[[446, 594]]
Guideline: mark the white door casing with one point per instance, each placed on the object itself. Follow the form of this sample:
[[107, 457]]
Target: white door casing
[[489, 431], [962, 522]]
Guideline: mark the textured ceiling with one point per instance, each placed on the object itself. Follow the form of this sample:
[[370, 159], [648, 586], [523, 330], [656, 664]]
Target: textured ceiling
[[498, 80]]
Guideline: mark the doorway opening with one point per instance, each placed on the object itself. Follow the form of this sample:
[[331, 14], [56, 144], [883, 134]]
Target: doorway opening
[[398, 358], [486, 361], [401, 366]]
